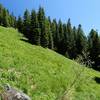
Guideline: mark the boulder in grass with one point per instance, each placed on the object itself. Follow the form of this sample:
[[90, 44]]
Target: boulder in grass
[[10, 93]]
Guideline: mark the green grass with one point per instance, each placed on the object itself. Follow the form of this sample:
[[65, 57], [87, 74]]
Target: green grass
[[42, 73]]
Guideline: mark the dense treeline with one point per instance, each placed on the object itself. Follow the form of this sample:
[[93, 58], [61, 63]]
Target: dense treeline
[[7, 19], [60, 37]]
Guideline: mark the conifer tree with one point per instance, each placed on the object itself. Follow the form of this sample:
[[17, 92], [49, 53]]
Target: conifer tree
[[54, 30], [61, 32], [5, 18], [65, 39], [51, 43], [43, 26], [1, 14], [71, 44], [94, 48], [69, 27], [20, 24], [74, 49], [49, 19], [35, 30], [12, 20], [60, 37], [69, 39], [81, 40], [27, 20], [45, 34], [41, 18]]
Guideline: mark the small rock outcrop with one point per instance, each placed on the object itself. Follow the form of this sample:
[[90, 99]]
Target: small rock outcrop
[[10, 93]]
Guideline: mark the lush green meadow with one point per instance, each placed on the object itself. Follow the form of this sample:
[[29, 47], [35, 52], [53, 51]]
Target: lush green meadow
[[43, 74]]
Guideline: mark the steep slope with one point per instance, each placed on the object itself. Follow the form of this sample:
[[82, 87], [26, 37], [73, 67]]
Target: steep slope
[[42, 73]]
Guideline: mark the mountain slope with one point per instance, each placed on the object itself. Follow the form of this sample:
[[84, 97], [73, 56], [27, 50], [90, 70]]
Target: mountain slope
[[42, 73]]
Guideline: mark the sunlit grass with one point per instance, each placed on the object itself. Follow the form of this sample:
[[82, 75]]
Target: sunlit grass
[[42, 73]]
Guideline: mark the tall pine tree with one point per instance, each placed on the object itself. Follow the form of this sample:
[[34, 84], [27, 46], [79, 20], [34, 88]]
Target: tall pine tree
[[81, 41], [1, 14], [69, 39], [43, 25], [27, 20], [5, 18], [54, 30], [20, 24], [51, 42], [35, 30], [60, 37], [94, 48]]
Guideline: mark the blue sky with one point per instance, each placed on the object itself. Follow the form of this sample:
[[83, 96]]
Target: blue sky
[[85, 12]]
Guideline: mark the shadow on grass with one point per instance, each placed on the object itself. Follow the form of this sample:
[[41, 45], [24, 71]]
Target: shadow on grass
[[26, 40], [97, 79]]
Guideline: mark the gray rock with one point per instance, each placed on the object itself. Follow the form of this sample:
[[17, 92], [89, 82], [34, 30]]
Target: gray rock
[[11, 93]]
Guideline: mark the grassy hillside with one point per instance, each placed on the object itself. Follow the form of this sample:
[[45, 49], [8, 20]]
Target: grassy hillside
[[42, 73]]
